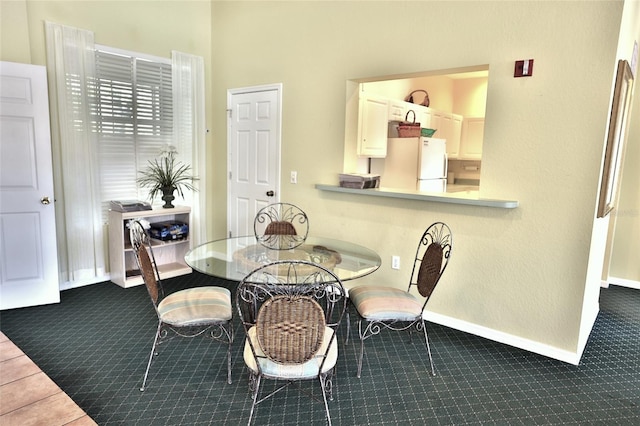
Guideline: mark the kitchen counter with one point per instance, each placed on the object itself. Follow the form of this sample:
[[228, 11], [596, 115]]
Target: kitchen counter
[[455, 188], [459, 194]]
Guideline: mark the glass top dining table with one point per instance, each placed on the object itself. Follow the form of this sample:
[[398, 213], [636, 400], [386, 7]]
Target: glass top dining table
[[233, 258]]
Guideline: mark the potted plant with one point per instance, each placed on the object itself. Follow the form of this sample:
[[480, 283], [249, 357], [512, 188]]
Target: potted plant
[[166, 175]]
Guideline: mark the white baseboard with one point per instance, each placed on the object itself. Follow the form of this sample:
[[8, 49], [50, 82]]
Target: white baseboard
[[68, 285], [624, 283], [507, 339]]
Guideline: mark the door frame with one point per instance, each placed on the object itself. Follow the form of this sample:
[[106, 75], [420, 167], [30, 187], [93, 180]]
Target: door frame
[[277, 87]]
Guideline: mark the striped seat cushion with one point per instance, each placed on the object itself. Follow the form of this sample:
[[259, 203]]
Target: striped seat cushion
[[385, 303], [306, 370], [196, 306]]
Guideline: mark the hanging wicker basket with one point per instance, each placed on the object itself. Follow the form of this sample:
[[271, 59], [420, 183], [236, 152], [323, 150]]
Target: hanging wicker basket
[[409, 129], [425, 101]]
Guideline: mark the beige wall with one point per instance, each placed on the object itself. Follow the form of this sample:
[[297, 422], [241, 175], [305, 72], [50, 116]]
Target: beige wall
[[516, 275], [470, 97], [625, 260], [149, 26], [520, 276], [625, 256], [465, 96], [14, 35]]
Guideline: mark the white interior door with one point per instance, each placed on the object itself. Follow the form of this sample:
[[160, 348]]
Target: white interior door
[[253, 146], [28, 253]]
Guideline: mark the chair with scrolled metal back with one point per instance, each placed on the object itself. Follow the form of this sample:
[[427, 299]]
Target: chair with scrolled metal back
[[290, 311], [281, 226], [190, 312], [384, 307]]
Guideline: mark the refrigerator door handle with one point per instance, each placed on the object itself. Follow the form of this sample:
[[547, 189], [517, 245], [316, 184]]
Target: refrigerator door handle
[[446, 165]]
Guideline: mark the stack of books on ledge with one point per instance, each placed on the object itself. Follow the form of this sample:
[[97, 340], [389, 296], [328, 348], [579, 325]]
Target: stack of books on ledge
[[359, 180]]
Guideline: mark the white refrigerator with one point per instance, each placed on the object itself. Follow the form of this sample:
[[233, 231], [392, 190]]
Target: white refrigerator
[[414, 163]]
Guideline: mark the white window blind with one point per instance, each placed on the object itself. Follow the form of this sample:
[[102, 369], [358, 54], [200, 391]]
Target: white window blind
[[133, 112]]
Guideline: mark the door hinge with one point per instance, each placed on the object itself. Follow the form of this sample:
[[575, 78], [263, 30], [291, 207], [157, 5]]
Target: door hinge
[[230, 113], [230, 175]]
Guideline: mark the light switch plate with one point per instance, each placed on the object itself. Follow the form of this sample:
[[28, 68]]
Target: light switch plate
[[395, 262]]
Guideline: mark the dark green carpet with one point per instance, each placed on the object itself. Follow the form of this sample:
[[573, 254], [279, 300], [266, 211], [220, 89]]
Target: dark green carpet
[[95, 344]]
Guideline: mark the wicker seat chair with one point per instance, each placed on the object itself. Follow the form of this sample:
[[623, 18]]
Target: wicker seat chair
[[191, 312], [290, 311], [281, 226], [381, 307]]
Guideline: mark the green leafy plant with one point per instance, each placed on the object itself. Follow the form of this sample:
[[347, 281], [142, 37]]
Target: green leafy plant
[[167, 172]]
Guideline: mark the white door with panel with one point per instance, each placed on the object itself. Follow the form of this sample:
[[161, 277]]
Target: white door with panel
[[28, 252], [253, 146]]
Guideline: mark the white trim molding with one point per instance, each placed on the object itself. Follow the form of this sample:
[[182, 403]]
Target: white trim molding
[[508, 339], [624, 283]]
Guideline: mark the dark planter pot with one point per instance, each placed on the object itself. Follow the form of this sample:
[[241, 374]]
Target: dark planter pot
[[167, 197]]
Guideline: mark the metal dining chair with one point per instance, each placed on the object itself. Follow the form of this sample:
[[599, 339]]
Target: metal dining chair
[[391, 308], [199, 311], [281, 226], [290, 311]]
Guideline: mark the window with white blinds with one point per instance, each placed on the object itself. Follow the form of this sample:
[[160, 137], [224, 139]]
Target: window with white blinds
[[133, 113]]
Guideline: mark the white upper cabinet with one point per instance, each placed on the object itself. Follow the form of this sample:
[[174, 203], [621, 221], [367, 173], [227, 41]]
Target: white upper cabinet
[[375, 112], [373, 120], [445, 126], [423, 116], [437, 123], [448, 126], [472, 137], [397, 110], [454, 135]]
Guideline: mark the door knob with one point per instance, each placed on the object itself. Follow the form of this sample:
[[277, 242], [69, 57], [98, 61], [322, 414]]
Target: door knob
[[270, 193], [45, 200]]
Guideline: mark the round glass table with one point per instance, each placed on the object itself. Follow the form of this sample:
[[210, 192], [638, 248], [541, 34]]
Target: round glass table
[[234, 258]]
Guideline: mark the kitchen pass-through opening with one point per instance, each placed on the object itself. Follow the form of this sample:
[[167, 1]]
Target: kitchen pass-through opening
[[456, 111]]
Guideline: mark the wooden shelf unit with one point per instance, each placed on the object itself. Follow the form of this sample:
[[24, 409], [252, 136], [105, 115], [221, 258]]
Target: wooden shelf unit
[[169, 255]]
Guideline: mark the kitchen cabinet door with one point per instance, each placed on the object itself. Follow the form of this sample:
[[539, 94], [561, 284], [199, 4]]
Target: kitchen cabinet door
[[454, 136], [443, 130], [372, 126], [397, 110], [448, 126], [423, 116], [472, 138], [437, 123], [445, 126]]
